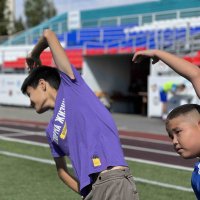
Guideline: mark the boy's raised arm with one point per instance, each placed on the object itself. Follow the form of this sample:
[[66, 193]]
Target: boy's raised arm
[[181, 66], [33, 58], [60, 58], [49, 39]]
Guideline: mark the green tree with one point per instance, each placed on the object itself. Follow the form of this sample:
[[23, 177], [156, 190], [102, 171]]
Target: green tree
[[3, 18], [38, 11], [19, 25]]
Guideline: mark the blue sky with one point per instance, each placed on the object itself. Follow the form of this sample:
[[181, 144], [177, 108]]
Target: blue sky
[[71, 5]]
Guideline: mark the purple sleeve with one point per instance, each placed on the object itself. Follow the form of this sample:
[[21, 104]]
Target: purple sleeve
[[55, 150], [78, 79]]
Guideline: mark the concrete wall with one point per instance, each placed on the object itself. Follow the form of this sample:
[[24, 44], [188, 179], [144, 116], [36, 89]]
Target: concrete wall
[[107, 73], [110, 74]]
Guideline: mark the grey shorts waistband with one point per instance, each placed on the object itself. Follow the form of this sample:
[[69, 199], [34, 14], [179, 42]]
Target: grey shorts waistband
[[116, 173]]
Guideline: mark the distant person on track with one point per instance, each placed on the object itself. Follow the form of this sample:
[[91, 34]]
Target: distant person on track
[[183, 127], [80, 128], [166, 88], [179, 65]]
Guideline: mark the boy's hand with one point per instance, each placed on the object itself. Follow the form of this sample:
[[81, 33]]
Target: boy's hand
[[141, 55], [32, 63]]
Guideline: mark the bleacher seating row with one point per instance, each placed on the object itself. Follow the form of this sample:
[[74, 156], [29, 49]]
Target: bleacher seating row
[[75, 57], [125, 13], [113, 40]]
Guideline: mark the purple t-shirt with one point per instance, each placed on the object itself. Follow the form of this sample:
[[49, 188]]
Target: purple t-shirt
[[83, 129]]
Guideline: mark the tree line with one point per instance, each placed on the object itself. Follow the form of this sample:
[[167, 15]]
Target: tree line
[[35, 12]]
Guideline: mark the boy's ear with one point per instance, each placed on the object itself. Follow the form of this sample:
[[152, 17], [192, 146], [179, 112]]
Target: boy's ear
[[42, 84]]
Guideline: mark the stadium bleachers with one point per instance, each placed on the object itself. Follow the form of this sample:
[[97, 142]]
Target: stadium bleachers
[[113, 40], [136, 14], [164, 30], [17, 64], [75, 58]]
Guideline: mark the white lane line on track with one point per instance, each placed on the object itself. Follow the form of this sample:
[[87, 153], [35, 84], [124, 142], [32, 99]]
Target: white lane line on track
[[145, 139], [159, 164], [165, 185], [16, 155], [24, 141], [15, 134], [42, 133], [137, 179], [31, 125], [15, 130], [123, 146], [149, 150], [127, 158]]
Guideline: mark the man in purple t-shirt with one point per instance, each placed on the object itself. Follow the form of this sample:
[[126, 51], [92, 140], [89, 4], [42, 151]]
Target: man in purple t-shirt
[[80, 128]]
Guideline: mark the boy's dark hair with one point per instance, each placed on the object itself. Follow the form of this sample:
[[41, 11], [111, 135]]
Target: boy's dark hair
[[181, 110], [49, 74]]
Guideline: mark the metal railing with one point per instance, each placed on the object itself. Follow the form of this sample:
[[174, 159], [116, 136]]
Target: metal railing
[[29, 36], [185, 44], [141, 19]]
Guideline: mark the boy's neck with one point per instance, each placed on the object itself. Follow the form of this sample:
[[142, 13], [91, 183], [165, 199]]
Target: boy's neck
[[52, 98]]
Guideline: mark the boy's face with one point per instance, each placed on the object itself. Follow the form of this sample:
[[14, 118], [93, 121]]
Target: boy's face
[[38, 97], [184, 131]]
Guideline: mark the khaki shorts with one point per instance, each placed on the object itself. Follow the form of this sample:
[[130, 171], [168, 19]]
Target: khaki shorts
[[114, 185]]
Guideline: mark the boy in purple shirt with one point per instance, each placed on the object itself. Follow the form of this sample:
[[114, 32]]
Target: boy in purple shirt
[[80, 128]]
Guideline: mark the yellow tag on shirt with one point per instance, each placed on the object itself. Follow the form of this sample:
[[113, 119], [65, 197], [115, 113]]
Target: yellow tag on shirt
[[96, 161], [64, 132]]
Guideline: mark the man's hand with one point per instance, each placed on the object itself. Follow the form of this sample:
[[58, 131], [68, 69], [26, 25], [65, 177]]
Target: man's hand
[[32, 63], [141, 55]]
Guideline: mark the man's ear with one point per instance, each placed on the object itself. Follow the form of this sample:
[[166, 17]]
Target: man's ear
[[42, 83]]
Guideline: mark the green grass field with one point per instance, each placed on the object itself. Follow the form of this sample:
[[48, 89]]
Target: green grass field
[[22, 179]]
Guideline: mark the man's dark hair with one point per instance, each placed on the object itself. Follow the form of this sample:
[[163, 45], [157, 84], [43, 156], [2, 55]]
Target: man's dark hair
[[181, 110], [49, 74]]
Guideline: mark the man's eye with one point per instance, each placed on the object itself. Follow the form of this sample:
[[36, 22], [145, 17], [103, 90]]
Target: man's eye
[[171, 137], [177, 131]]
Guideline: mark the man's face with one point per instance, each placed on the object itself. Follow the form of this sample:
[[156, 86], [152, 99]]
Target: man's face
[[185, 134], [38, 97]]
